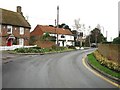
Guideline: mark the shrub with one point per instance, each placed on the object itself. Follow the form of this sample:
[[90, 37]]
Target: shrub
[[104, 61], [71, 47], [28, 50], [116, 40]]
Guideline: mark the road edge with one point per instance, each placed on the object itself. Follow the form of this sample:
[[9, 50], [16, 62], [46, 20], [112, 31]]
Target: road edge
[[98, 73]]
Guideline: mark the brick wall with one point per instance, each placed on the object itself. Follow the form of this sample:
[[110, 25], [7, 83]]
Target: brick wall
[[16, 33], [111, 51]]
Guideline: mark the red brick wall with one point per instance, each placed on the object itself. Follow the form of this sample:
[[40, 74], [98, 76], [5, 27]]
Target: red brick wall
[[16, 33], [111, 51]]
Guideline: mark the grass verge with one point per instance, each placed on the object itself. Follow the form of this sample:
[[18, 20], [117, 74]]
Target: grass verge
[[92, 60]]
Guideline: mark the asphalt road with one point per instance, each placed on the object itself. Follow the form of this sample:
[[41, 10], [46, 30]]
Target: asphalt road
[[61, 70]]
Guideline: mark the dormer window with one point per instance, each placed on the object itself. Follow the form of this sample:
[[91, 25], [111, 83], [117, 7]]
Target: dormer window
[[9, 29], [21, 30]]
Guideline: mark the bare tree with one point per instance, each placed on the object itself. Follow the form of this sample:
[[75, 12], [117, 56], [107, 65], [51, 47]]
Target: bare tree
[[77, 26]]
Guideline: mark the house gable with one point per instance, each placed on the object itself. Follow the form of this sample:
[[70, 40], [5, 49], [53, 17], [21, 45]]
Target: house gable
[[13, 19]]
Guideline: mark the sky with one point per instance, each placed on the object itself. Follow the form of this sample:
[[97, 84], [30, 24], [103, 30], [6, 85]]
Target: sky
[[90, 12]]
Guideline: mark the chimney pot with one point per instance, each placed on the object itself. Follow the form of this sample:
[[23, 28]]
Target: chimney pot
[[19, 10]]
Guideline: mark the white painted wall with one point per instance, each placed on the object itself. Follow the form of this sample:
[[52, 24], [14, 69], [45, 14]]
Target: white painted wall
[[66, 38]]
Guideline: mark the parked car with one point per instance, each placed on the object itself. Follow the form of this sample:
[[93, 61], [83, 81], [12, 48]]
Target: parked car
[[93, 45]]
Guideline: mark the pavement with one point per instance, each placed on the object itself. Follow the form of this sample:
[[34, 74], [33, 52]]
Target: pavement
[[8, 57], [60, 70]]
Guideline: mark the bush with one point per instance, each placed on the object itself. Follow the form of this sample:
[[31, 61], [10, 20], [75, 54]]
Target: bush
[[39, 50], [104, 61], [71, 47], [28, 50], [116, 40]]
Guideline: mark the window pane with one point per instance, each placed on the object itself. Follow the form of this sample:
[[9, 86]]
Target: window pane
[[9, 29], [21, 30]]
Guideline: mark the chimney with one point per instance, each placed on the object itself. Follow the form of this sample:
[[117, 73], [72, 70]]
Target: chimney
[[19, 10]]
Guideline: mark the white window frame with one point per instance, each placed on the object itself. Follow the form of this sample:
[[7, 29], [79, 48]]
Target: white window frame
[[21, 41], [9, 29], [21, 30]]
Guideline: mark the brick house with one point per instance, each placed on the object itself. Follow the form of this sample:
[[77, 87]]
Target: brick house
[[65, 37], [14, 28]]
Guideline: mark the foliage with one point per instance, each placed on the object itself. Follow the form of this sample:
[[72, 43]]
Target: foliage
[[45, 37], [116, 40], [32, 40], [15, 41], [95, 35], [71, 47], [106, 42], [57, 48], [108, 63], [95, 63], [65, 26], [28, 50], [52, 38], [39, 50]]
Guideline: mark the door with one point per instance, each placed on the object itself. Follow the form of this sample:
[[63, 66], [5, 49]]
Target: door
[[21, 41]]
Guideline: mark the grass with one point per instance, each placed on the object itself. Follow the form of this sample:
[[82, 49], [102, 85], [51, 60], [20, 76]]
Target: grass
[[95, 63]]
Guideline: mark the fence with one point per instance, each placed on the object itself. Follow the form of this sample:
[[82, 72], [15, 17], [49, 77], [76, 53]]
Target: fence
[[14, 47], [110, 51]]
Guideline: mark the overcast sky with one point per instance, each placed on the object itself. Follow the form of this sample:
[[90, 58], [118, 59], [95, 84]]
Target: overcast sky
[[90, 12]]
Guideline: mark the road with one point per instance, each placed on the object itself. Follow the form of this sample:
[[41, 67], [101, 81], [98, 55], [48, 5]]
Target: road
[[60, 70]]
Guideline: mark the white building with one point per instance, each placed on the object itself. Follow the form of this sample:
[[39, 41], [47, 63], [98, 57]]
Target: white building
[[64, 37]]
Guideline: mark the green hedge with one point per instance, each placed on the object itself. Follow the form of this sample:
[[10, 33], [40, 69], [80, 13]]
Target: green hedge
[[39, 50], [116, 40]]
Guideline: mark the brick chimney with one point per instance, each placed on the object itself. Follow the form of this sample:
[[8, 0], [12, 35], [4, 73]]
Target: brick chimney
[[19, 10]]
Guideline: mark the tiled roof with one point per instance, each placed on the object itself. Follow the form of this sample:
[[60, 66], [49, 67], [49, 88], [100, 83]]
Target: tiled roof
[[51, 30], [13, 18]]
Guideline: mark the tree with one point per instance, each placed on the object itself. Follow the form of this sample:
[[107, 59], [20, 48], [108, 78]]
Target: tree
[[65, 26], [47, 37], [77, 25], [32, 40], [116, 40], [95, 37]]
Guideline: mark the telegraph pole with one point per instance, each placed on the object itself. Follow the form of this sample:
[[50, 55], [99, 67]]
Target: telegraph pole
[[57, 22], [89, 35], [106, 34]]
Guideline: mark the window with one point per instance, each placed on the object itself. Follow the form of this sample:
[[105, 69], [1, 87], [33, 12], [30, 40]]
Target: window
[[21, 30], [9, 29]]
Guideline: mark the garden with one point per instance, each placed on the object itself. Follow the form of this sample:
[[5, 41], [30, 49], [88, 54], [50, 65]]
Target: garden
[[103, 64], [43, 50]]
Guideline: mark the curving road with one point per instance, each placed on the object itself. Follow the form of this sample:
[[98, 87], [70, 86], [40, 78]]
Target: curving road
[[61, 70]]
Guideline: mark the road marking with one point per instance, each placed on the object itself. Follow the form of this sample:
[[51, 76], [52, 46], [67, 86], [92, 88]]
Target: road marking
[[97, 74]]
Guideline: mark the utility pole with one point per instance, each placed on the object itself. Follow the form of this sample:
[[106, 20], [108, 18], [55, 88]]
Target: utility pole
[[119, 33], [106, 34], [57, 22], [89, 35]]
